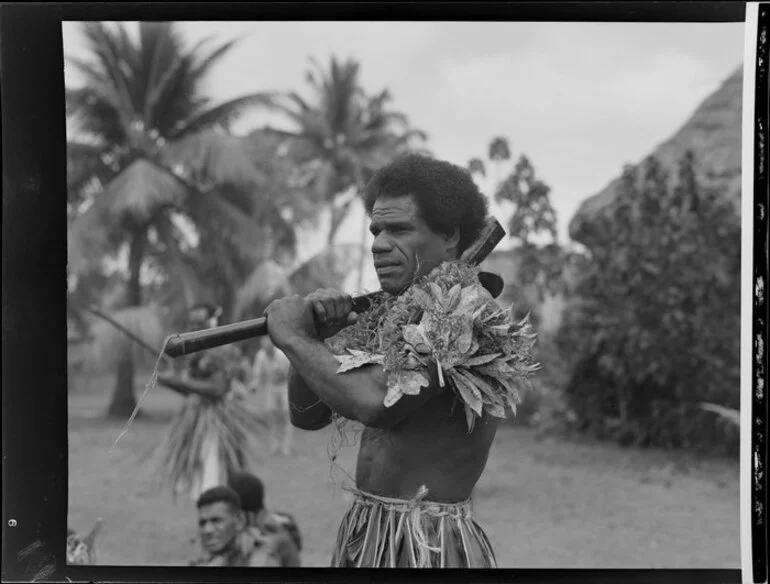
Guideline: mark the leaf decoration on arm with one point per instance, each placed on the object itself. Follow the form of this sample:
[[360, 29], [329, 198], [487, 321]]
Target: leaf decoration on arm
[[449, 319], [357, 359]]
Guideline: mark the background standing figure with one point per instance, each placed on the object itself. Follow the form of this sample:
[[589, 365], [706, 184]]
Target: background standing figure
[[208, 439], [271, 376]]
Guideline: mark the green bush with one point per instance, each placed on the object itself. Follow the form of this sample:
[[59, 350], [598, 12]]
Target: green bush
[[653, 329]]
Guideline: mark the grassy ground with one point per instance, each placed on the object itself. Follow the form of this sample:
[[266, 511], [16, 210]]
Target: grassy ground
[[544, 504]]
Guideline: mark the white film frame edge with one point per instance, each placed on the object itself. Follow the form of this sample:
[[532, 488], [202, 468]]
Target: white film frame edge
[[747, 297]]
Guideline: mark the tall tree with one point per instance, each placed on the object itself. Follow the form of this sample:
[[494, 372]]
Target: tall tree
[[533, 226], [499, 152], [477, 166], [150, 146], [342, 135]]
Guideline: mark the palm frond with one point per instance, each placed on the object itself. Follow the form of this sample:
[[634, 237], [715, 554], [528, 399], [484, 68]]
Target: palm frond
[[230, 224], [84, 165], [90, 238], [223, 113], [139, 192], [327, 269], [186, 284], [202, 68], [212, 159], [107, 47], [270, 280], [90, 71], [157, 91]]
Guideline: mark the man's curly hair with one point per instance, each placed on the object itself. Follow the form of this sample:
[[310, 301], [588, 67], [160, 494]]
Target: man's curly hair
[[445, 194]]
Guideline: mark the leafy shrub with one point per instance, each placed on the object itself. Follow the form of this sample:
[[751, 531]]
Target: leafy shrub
[[654, 327]]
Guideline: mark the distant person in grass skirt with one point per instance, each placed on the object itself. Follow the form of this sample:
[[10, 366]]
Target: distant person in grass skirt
[[270, 378], [209, 437]]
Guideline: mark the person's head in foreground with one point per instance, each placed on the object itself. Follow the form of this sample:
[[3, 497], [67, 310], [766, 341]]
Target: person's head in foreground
[[220, 519], [251, 491], [423, 211]]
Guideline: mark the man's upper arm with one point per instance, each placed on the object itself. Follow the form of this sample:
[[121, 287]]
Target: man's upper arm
[[381, 416], [306, 410]]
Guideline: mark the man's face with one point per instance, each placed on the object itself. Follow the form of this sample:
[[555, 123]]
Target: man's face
[[404, 247], [219, 524]]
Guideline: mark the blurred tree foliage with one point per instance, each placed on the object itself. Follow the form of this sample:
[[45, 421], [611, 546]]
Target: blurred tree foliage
[[654, 327], [157, 181], [532, 224], [151, 151], [342, 135]]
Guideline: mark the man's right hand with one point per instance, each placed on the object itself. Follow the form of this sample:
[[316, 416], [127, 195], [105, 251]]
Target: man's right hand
[[333, 311], [321, 314]]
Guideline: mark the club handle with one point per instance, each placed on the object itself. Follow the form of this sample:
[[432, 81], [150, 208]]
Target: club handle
[[191, 342]]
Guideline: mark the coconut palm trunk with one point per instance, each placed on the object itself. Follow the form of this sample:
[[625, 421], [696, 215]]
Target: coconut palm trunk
[[123, 399], [148, 142]]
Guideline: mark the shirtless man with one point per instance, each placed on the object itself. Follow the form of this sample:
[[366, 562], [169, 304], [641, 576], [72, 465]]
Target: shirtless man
[[417, 464]]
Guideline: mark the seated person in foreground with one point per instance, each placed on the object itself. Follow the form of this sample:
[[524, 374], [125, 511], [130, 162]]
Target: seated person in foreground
[[221, 523], [278, 530]]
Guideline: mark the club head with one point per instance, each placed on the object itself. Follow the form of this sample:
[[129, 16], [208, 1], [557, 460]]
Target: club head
[[492, 282]]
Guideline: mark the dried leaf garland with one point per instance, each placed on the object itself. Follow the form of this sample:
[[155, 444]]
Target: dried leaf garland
[[447, 318]]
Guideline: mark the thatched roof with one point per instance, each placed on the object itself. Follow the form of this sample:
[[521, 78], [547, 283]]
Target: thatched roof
[[713, 133]]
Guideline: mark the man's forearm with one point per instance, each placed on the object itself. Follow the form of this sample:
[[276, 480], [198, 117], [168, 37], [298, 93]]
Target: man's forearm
[[306, 410], [354, 395]]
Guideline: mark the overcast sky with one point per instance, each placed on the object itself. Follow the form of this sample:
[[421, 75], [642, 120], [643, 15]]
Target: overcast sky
[[580, 99]]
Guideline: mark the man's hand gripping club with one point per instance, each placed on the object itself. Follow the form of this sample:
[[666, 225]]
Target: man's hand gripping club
[[319, 315]]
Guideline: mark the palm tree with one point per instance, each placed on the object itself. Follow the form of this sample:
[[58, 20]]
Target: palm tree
[[151, 148], [341, 135]]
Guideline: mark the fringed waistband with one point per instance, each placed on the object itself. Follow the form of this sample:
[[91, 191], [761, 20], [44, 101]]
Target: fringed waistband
[[459, 510], [381, 531]]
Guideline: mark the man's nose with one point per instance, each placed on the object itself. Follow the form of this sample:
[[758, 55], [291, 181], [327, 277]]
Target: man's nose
[[381, 244], [207, 527]]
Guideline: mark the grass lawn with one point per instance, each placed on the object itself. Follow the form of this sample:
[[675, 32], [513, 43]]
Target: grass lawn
[[544, 504]]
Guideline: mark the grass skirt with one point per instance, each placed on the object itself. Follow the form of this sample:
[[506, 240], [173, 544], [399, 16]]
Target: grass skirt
[[206, 441], [379, 532]]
